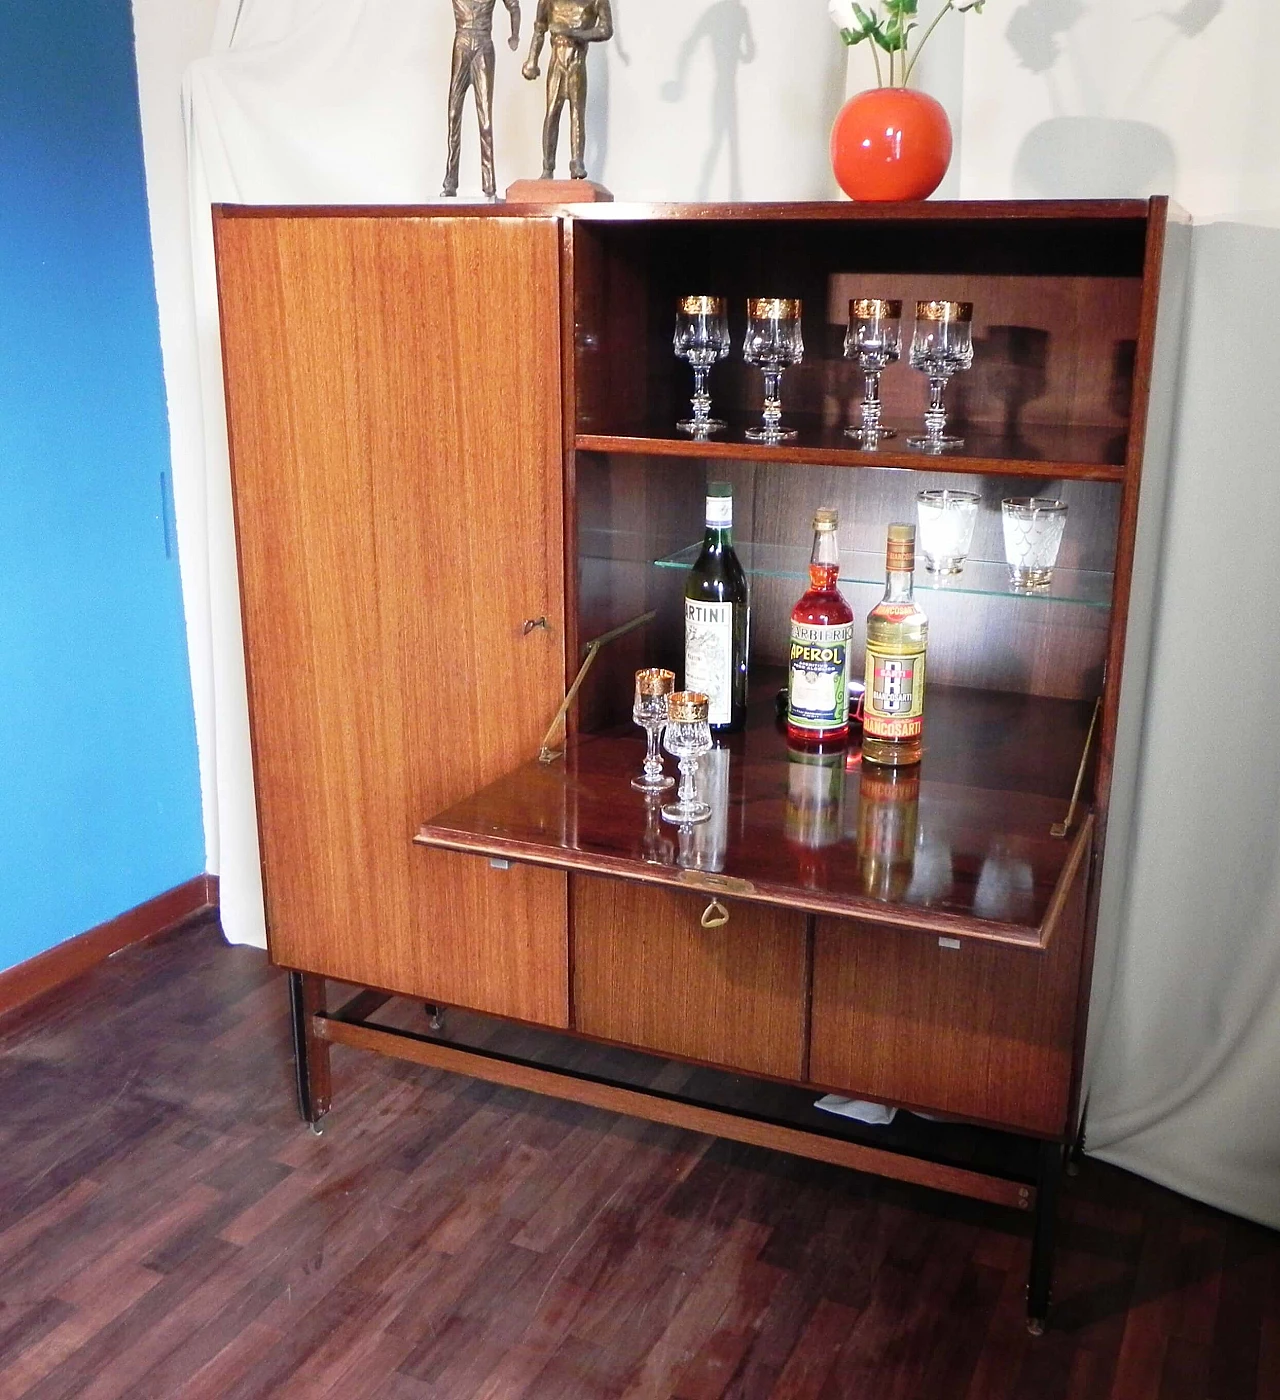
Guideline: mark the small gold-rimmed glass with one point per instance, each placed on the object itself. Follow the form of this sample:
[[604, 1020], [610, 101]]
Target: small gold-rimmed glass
[[653, 686], [686, 736], [702, 338], [941, 346], [774, 341], [874, 340]]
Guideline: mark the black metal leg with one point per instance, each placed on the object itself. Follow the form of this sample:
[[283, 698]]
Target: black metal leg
[[310, 1053], [1076, 1154], [1045, 1229], [435, 1015]]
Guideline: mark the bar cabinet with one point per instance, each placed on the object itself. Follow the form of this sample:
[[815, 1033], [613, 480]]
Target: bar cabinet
[[457, 477]]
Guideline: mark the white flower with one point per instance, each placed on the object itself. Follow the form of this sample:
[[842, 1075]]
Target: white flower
[[842, 15]]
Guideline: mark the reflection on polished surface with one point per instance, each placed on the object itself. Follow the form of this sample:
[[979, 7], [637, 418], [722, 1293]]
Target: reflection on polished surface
[[1006, 885], [815, 797], [704, 847], [888, 819], [964, 840], [659, 848], [814, 818]]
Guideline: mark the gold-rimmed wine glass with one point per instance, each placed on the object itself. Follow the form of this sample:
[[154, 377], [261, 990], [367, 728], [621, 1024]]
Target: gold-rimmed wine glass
[[874, 340], [941, 346], [774, 341], [653, 686], [701, 337], [686, 736]]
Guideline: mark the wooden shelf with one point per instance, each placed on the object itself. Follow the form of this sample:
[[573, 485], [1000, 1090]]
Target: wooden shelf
[[1055, 453], [979, 860]]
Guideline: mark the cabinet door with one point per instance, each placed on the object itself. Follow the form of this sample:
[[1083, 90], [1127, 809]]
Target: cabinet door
[[981, 1031], [647, 973], [393, 389]]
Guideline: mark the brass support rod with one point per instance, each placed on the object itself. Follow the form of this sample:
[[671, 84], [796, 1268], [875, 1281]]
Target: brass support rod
[[1060, 829], [548, 752]]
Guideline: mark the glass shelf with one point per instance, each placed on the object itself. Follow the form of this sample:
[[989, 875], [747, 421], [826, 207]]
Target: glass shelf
[[1088, 588]]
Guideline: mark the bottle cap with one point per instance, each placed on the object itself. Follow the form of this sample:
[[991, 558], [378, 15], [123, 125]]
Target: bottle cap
[[826, 518], [900, 557], [719, 505]]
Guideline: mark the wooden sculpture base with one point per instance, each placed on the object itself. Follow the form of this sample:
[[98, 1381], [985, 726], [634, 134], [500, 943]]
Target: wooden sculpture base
[[558, 192]]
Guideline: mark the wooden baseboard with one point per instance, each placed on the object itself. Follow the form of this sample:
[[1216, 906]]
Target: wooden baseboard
[[30, 979]]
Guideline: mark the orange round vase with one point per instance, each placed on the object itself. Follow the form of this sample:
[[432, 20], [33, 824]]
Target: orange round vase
[[890, 144]]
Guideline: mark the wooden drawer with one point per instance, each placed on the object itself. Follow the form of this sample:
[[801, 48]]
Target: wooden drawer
[[646, 973], [981, 1031]]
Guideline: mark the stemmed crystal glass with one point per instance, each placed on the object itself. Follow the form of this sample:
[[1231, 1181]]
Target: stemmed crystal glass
[[702, 338], [653, 686], [774, 341], [687, 735], [874, 340], [941, 346]]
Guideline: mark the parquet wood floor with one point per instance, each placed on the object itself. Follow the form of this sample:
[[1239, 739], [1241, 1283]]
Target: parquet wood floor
[[169, 1229]]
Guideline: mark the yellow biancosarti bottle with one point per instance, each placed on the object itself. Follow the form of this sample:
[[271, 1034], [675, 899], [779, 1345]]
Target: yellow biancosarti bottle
[[897, 636]]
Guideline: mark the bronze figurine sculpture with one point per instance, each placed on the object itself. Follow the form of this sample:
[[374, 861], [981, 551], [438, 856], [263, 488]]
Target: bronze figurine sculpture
[[572, 25], [473, 68]]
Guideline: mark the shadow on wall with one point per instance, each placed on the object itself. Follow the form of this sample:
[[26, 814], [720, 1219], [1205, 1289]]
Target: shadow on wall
[[726, 26], [1036, 29], [1093, 155], [597, 152], [1094, 158]]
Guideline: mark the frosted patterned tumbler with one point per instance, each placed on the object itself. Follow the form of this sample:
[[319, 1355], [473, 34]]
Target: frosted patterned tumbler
[[1033, 528], [946, 521]]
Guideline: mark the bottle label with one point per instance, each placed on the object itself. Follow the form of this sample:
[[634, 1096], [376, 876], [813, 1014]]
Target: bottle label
[[708, 656], [719, 512], [817, 696], [894, 703]]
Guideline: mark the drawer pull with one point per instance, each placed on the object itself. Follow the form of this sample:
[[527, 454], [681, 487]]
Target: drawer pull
[[715, 915]]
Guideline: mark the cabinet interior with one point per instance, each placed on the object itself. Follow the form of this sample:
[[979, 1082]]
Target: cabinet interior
[[1056, 323]]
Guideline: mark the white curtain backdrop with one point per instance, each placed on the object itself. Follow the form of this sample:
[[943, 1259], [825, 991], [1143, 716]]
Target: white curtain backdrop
[[339, 101], [1135, 97]]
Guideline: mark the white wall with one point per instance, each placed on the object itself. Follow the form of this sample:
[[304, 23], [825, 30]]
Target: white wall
[[168, 36]]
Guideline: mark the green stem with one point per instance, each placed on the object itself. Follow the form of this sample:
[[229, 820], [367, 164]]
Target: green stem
[[937, 19], [875, 57]]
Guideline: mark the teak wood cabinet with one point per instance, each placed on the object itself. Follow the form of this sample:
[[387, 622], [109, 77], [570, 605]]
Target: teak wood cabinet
[[455, 469]]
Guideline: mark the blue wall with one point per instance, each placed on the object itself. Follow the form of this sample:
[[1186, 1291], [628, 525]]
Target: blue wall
[[99, 787]]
